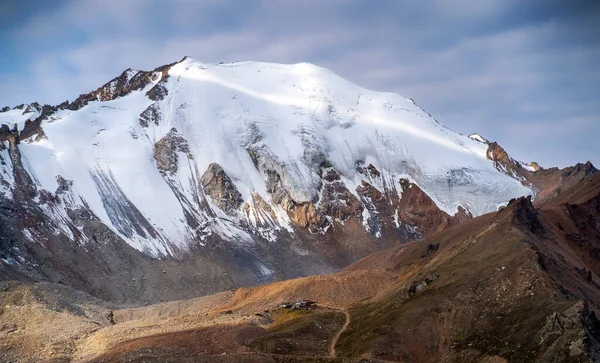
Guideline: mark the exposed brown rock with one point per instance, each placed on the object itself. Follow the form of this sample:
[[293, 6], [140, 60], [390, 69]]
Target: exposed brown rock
[[535, 165], [121, 86], [166, 149], [25, 189], [525, 214], [413, 214], [547, 183], [553, 181], [117, 87], [374, 204], [306, 215], [8, 134], [368, 191], [336, 200], [33, 128], [259, 204], [504, 163], [219, 187], [278, 193], [159, 91], [416, 208]]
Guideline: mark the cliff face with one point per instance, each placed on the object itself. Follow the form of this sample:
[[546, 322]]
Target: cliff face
[[219, 187]]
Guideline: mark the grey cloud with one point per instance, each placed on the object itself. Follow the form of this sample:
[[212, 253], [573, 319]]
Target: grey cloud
[[521, 73]]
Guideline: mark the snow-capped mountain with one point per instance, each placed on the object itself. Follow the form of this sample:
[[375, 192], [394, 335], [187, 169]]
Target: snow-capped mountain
[[248, 154]]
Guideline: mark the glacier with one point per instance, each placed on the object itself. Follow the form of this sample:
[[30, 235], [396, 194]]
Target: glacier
[[250, 118]]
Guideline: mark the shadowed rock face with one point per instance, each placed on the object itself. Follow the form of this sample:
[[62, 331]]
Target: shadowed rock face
[[166, 149], [158, 92], [336, 200], [415, 207], [221, 190], [150, 116], [275, 188], [526, 215]]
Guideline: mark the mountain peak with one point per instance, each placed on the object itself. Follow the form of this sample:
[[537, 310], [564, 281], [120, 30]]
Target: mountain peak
[[270, 134]]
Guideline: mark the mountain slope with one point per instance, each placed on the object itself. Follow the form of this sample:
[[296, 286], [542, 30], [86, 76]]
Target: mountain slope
[[519, 285], [237, 167]]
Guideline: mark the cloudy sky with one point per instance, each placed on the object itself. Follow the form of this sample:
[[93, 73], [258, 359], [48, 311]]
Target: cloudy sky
[[523, 73]]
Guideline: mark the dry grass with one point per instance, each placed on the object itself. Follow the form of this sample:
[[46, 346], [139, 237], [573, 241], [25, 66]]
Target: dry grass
[[499, 280]]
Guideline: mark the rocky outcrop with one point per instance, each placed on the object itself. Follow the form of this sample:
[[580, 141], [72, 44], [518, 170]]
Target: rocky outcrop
[[159, 91], [8, 134], [416, 208], [535, 165], [166, 149], [553, 181], [525, 215], [260, 208], [572, 333], [33, 107], [499, 156], [547, 183], [130, 80], [375, 204], [278, 193], [401, 207], [64, 185], [368, 170], [371, 198], [25, 188], [150, 115], [221, 189], [303, 214], [336, 200], [306, 215], [32, 128], [503, 162]]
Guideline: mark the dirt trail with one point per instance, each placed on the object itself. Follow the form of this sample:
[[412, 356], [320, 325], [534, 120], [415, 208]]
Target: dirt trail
[[336, 337]]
